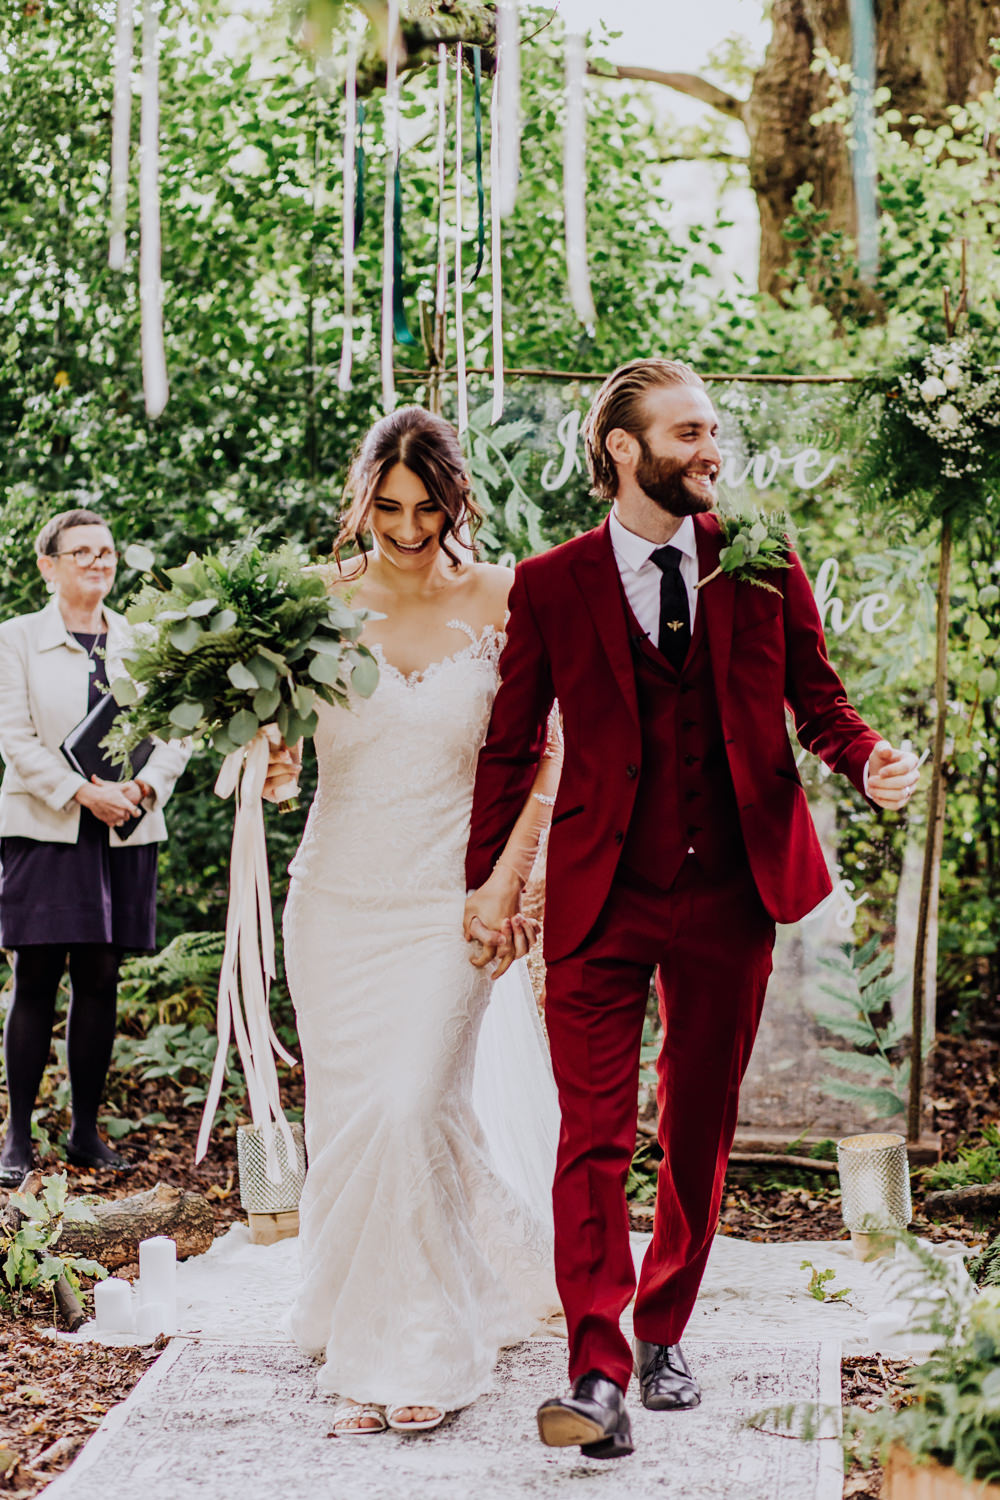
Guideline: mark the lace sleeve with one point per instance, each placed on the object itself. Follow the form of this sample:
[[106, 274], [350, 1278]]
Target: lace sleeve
[[532, 824]]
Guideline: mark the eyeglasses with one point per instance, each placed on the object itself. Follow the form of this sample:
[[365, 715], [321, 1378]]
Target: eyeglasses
[[85, 556]]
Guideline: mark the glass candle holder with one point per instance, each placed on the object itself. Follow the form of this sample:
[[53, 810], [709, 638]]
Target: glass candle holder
[[258, 1194], [874, 1183]]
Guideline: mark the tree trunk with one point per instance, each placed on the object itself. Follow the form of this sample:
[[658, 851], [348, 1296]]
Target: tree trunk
[[931, 53], [123, 1222]]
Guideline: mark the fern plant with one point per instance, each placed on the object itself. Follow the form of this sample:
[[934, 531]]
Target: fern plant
[[862, 990], [977, 1162]]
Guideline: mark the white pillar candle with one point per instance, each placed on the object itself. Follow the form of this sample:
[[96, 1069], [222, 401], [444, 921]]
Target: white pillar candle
[[152, 1318], [158, 1276], [113, 1306]]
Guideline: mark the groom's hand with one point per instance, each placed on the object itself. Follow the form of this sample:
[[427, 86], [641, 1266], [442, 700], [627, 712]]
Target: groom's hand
[[493, 920], [892, 776]]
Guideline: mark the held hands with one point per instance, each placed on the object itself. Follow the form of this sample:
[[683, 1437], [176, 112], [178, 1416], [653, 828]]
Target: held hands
[[283, 766], [112, 802], [892, 776], [495, 924]]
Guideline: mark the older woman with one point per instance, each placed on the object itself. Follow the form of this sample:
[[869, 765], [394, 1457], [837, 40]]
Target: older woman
[[69, 885]]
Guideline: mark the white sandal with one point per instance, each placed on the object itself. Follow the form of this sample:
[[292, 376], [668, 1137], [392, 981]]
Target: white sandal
[[353, 1411], [392, 1417]]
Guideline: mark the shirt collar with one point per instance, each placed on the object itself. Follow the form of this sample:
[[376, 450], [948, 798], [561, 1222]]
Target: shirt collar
[[635, 551]]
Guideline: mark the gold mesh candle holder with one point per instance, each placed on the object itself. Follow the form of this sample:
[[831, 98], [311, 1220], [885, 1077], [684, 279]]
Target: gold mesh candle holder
[[874, 1191], [258, 1194]]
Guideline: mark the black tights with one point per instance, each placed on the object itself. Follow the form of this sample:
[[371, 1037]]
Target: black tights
[[90, 1035]]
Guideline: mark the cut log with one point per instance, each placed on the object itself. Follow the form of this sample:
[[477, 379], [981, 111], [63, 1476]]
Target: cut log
[[979, 1198], [120, 1223]]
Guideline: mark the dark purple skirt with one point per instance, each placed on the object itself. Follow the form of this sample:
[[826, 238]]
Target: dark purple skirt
[[85, 892]]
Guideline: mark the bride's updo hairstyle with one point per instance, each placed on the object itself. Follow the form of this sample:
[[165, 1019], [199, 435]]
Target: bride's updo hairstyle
[[429, 448]]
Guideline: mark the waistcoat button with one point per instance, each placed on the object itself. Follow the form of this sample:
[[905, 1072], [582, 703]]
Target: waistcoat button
[[631, 772], [619, 836]]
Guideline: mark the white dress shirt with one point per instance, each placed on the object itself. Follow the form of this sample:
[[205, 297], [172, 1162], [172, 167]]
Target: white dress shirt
[[641, 578]]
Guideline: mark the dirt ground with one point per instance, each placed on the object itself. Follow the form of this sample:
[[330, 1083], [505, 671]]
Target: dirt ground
[[44, 1418]]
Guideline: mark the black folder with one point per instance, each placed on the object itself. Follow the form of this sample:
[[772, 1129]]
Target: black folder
[[82, 748]]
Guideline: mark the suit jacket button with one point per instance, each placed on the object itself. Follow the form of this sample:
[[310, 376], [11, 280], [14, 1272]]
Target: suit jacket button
[[688, 724], [631, 772], [689, 760], [619, 836]]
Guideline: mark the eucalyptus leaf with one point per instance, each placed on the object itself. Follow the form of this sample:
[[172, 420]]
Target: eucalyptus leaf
[[265, 672], [265, 701], [138, 614], [201, 607], [242, 727], [241, 677], [187, 715], [364, 677], [186, 635], [224, 620], [324, 668], [139, 557], [124, 691]]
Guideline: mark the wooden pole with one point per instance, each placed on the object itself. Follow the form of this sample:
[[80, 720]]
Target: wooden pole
[[933, 841]]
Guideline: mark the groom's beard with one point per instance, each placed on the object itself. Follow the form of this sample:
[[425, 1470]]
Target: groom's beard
[[662, 479]]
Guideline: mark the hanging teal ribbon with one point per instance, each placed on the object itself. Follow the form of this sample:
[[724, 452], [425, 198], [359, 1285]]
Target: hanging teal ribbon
[[402, 332], [359, 176], [477, 73]]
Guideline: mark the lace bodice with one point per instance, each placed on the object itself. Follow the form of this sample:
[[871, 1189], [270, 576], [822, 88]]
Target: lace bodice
[[400, 763]]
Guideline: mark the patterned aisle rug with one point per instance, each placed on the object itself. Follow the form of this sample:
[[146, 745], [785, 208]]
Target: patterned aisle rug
[[244, 1422]]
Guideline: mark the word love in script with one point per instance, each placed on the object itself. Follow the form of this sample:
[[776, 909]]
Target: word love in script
[[808, 467]]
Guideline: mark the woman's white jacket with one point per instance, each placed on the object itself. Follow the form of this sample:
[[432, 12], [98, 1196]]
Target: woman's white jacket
[[44, 686]]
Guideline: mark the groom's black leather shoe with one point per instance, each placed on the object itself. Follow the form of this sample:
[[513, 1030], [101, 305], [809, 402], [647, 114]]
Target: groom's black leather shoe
[[592, 1416], [665, 1382]]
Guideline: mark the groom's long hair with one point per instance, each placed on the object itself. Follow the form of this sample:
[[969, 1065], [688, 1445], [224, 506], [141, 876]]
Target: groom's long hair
[[620, 403], [430, 449]]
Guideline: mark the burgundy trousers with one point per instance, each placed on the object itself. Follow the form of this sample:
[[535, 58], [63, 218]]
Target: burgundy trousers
[[709, 941]]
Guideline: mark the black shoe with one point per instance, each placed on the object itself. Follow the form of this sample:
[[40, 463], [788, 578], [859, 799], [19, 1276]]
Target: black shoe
[[665, 1382], [120, 1165], [592, 1416], [12, 1175]]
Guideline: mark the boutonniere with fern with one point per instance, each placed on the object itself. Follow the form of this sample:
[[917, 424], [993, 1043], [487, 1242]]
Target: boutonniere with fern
[[755, 543]]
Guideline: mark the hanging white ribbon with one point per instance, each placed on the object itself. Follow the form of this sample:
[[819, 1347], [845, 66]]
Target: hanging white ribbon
[[509, 76], [441, 283], [350, 189], [864, 164], [496, 248], [463, 388], [121, 131], [391, 157], [575, 181], [248, 964], [154, 363]]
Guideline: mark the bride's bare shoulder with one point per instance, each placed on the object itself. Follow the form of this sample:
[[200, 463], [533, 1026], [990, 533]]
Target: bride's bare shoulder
[[491, 583]]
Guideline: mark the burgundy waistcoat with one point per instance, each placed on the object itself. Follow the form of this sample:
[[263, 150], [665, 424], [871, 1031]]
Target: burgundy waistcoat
[[685, 798]]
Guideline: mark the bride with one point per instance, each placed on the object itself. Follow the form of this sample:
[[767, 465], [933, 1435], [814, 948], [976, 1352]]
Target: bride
[[425, 1221]]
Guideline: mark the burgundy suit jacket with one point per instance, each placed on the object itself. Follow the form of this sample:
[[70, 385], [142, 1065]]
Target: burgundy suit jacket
[[567, 638]]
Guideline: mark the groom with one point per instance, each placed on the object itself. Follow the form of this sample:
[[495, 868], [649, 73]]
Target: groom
[[680, 835]]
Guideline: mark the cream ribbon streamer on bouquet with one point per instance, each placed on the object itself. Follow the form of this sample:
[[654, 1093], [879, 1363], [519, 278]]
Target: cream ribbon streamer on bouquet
[[248, 959]]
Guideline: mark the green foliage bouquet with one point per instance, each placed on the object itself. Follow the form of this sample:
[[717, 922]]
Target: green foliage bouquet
[[935, 443], [232, 641], [755, 542]]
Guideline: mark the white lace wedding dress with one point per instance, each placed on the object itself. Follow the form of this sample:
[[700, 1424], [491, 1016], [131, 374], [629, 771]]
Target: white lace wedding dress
[[419, 1260]]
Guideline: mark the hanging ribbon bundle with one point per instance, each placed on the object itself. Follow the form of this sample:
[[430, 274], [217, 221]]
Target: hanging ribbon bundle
[[477, 113], [865, 167], [154, 363], [349, 210], [575, 181], [496, 248], [248, 964], [509, 113], [121, 131], [399, 323], [463, 389], [389, 211]]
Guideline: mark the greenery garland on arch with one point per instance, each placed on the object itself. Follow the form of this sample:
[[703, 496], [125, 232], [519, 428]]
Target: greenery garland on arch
[[932, 454]]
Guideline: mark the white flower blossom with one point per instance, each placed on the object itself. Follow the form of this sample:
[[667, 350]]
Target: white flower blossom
[[951, 377], [932, 389], [949, 416]]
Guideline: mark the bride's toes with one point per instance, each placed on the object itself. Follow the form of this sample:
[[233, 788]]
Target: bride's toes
[[414, 1418], [353, 1418]]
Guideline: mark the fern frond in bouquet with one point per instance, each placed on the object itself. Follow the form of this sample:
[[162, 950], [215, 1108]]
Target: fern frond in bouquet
[[232, 641]]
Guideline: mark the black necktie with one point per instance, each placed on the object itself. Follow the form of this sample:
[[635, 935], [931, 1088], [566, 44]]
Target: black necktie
[[675, 623]]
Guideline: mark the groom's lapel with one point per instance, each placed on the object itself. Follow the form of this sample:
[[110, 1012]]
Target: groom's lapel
[[716, 599], [596, 575]]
